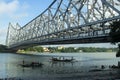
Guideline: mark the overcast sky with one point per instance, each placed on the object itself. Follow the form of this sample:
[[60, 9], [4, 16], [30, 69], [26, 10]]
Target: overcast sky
[[22, 11]]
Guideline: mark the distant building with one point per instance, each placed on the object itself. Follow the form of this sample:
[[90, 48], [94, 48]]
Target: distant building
[[45, 49], [60, 47], [80, 51], [75, 48]]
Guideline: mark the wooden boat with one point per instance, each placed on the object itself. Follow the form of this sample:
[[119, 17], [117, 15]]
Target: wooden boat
[[33, 64], [62, 60], [115, 67]]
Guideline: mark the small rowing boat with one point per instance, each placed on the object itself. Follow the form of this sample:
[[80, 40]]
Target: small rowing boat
[[33, 64]]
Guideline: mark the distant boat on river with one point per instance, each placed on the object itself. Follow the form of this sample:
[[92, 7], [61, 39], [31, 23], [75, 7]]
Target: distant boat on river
[[32, 64], [62, 59]]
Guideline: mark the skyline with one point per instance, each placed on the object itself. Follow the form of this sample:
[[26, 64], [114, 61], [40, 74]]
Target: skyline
[[23, 11]]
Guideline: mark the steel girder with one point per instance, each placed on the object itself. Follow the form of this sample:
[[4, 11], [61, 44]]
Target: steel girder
[[67, 19]]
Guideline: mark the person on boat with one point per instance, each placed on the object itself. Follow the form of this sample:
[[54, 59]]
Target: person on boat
[[72, 58], [23, 61], [63, 58], [60, 58]]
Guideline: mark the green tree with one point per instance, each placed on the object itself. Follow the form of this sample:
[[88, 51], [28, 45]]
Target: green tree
[[115, 31], [115, 34], [36, 48], [3, 48]]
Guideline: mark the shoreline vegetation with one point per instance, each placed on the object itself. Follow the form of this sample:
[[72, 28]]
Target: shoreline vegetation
[[3, 48], [114, 34], [61, 49]]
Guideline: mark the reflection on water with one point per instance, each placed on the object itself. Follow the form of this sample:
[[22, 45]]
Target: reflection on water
[[10, 65]]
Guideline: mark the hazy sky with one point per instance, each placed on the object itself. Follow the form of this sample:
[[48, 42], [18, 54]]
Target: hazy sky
[[22, 11]]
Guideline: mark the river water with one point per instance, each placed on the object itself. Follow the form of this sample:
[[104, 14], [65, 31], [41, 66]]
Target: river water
[[10, 65]]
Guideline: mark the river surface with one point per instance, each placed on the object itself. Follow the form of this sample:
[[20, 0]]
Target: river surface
[[10, 65]]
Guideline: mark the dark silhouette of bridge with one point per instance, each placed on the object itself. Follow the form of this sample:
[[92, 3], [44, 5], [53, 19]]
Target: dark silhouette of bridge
[[67, 22]]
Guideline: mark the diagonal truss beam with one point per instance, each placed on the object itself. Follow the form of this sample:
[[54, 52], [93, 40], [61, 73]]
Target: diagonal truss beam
[[66, 20]]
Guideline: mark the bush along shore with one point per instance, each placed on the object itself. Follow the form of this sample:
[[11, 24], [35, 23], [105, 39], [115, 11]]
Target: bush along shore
[[65, 49]]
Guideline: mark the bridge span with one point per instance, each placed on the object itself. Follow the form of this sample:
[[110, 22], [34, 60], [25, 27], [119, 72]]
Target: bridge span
[[67, 22]]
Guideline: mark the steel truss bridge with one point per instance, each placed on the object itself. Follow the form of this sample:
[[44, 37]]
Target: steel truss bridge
[[66, 22]]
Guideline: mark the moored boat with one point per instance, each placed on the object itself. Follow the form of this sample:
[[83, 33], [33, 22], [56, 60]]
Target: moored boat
[[33, 64]]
